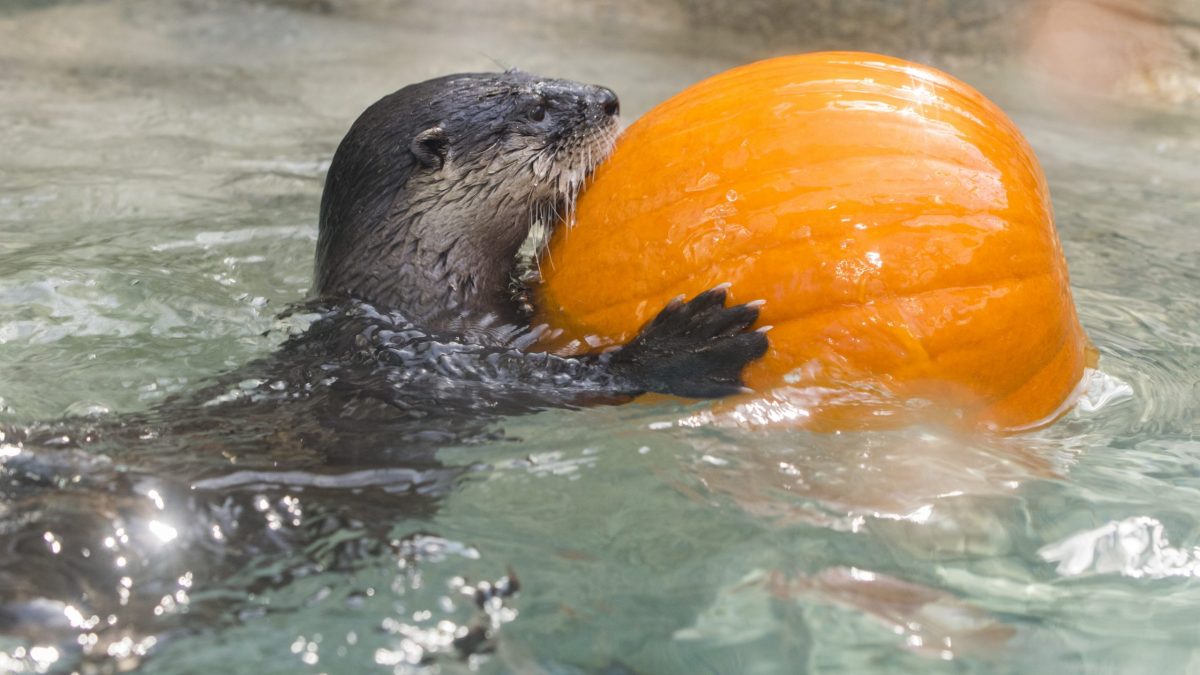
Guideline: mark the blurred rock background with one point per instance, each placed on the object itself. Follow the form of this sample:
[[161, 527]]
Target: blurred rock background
[[1147, 48], [1137, 47]]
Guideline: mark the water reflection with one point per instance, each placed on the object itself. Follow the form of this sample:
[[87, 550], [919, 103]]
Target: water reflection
[[1134, 547]]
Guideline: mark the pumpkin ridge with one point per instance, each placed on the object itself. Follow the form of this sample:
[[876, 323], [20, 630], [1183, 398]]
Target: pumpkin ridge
[[1063, 350], [947, 87], [842, 306], [747, 246], [931, 358], [607, 235], [695, 128], [734, 255]]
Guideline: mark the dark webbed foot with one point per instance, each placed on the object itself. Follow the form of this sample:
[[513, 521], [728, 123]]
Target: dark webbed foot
[[695, 349]]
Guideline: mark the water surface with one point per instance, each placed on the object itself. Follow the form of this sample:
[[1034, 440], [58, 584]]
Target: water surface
[[158, 194]]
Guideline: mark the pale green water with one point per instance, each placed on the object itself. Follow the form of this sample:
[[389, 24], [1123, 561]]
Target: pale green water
[[160, 173]]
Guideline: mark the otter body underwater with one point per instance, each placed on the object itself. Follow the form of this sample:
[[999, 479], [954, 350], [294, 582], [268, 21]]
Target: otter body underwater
[[418, 340]]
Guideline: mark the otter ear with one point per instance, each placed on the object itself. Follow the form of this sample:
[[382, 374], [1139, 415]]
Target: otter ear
[[429, 147]]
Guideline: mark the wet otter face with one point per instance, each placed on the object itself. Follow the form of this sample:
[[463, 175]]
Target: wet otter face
[[530, 141], [436, 186]]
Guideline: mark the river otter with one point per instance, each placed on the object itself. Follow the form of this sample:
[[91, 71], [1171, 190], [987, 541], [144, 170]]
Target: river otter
[[435, 188], [416, 342]]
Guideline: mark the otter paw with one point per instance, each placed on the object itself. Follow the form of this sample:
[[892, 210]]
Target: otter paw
[[695, 349]]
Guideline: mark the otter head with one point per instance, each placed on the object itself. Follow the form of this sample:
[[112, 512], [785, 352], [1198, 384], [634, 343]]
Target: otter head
[[435, 187]]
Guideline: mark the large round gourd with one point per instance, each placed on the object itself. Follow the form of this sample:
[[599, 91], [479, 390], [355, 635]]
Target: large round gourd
[[895, 221]]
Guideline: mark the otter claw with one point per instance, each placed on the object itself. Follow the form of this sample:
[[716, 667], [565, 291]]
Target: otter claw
[[696, 349]]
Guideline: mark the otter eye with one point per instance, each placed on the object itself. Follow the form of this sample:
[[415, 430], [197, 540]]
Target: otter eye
[[537, 113]]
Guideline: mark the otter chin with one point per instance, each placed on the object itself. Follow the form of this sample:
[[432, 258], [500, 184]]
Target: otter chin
[[435, 188]]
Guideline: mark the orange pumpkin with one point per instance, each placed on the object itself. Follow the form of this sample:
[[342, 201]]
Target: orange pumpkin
[[895, 220]]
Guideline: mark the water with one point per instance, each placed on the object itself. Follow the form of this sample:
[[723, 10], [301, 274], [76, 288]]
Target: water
[[161, 171]]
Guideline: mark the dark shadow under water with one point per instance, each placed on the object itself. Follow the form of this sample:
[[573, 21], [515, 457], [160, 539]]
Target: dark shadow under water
[[115, 531]]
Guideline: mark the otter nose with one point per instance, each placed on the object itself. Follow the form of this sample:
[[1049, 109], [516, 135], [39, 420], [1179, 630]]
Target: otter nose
[[607, 99]]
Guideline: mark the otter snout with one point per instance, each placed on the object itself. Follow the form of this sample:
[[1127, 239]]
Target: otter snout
[[599, 104], [590, 103], [606, 99]]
